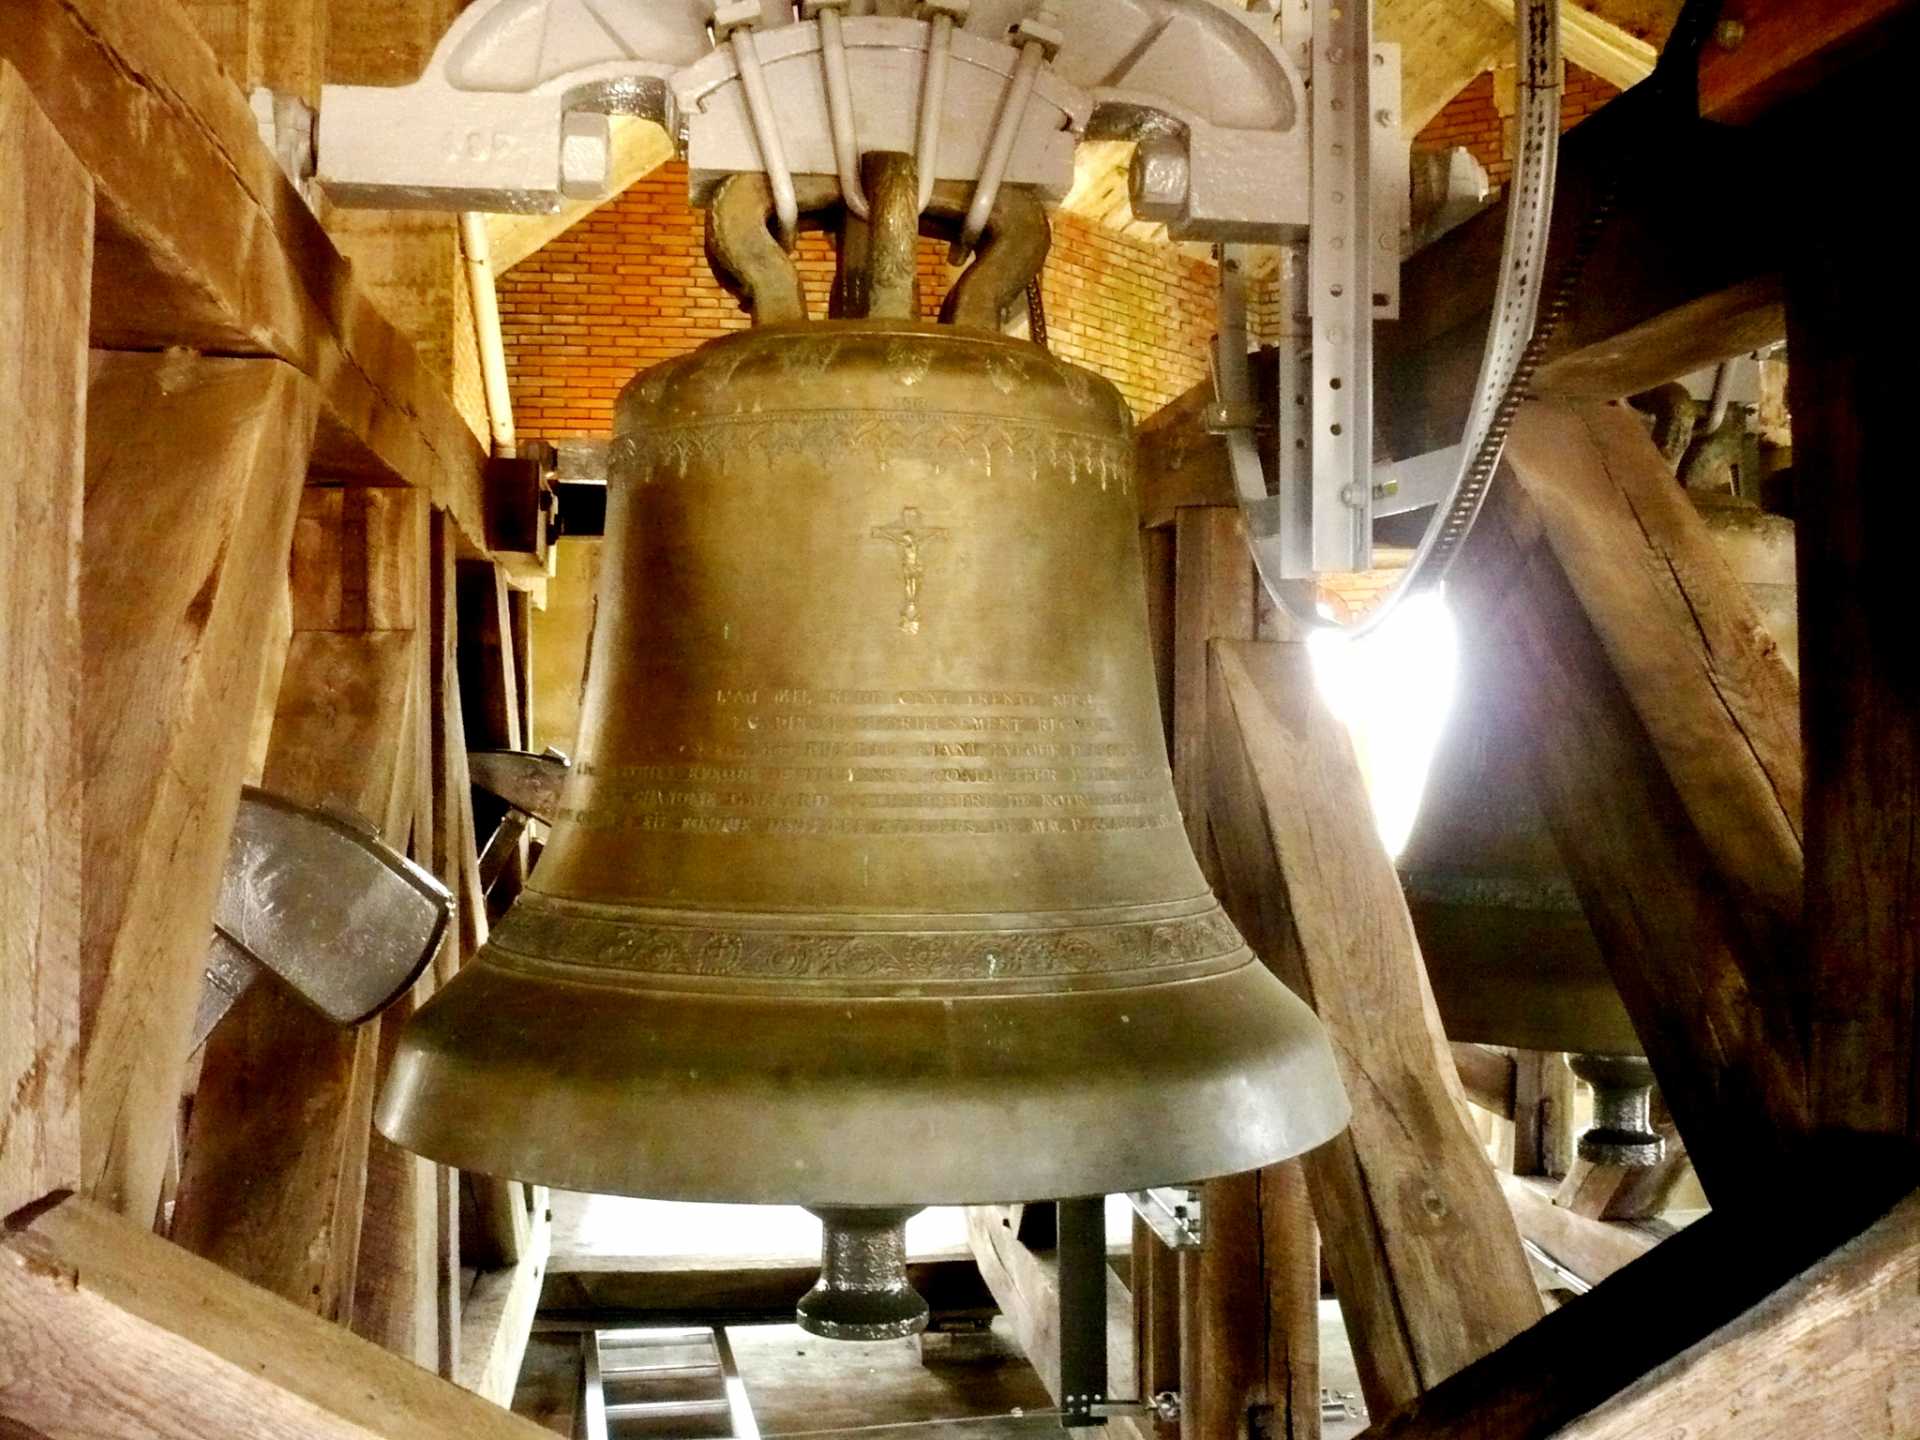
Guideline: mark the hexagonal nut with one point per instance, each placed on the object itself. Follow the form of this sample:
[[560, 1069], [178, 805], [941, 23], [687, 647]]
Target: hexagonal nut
[[586, 155], [1159, 179]]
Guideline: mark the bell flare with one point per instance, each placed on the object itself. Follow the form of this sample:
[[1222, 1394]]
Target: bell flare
[[861, 1101]]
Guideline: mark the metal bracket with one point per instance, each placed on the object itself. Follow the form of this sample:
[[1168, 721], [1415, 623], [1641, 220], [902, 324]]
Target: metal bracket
[[1175, 1213]]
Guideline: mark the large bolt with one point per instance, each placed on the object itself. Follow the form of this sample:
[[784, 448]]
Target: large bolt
[[1159, 179]]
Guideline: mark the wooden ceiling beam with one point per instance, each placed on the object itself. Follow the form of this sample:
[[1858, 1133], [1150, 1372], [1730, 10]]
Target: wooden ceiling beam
[[639, 148], [202, 242], [1595, 43]]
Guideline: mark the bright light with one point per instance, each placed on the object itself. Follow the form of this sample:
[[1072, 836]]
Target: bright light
[[1393, 689]]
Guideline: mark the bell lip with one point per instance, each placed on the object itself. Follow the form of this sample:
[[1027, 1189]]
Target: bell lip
[[1169, 1083]]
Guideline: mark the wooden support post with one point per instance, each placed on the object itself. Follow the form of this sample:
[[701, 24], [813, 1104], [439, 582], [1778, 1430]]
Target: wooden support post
[[1661, 727], [276, 1174], [1489, 1077], [1849, 385], [447, 752], [46, 264], [1423, 1249], [105, 1329], [1026, 1286], [1156, 1319], [195, 466], [1590, 1247], [1542, 1114], [1249, 1341]]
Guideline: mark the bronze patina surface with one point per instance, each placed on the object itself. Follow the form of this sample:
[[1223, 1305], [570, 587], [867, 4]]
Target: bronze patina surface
[[868, 887]]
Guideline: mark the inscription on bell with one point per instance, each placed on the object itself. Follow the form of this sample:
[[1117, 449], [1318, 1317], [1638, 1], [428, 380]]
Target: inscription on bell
[[752, 778]]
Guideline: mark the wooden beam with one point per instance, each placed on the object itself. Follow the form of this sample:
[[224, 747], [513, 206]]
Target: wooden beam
[[1829, 1353], [1784, 49], [46, 259], [1026, 1285], [1423, 1250], [1250, 1358], [1443, 47], [1591, 1248], [194, 465], [278, 44], [639, 148], [1860, 666], [1595, 43], [1662, 729], [213, 250], [105, 1329], [1542, 1114], [1663, 1319], [1672, 286], [1487, 1076], [496, 1314], [275, 1179]]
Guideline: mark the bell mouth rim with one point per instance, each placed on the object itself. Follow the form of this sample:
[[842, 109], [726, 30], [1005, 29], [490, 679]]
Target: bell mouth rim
[[746, 1100]]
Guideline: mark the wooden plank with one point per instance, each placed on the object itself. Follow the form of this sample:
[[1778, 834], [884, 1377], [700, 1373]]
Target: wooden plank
[[1542, 1114], [1591, 1248], [639, 148], [278, 44], [1155, 1288], [1661, 727], [1443, 47], [196, 466], [107, 1330], [1702, 1281], [1829, 1353], [1595, 43], [1250, 1362], [1423, 1249], [1213, 599], [1487, 1076], [274, 1185], [1026, 1285], [496, 1315], [1784, 49], [211, 248], [1860, 668], [46, 259]]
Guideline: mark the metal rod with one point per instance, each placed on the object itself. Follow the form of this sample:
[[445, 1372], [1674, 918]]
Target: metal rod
[[1006, 130], [846, 144], [766, 132], [933, 103], [486, 324]]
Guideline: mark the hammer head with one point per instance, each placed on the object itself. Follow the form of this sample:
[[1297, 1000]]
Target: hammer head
[[345, 920]]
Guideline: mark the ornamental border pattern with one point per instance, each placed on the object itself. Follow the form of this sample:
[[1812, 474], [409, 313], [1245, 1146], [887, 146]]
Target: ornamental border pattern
[[765, 439], [537, 933]]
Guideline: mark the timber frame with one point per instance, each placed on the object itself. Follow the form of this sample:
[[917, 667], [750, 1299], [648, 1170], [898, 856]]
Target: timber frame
[[255, 540]]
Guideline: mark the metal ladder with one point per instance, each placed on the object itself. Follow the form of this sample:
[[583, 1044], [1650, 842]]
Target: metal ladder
[[664, 1384]]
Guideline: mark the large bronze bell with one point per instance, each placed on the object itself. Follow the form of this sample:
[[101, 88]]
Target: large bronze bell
[[868, 888]]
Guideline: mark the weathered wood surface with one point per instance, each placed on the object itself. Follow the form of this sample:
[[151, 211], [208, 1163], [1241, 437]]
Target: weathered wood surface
[[276, 1176], [46, 260], [1786, 48], [1591, 1248], [1831, 1352], [1487, 1076], [1542, 1114], [497, 1312], [1251, 1362], [1662, 729], [279, 44], [202, 242], [1635, 1340], [1422, 1247], [194, 474], [1026, 1285], [1860, 665], [107, 1330]]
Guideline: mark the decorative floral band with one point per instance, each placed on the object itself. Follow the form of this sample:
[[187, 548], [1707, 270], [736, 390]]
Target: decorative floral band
[[540, 929]]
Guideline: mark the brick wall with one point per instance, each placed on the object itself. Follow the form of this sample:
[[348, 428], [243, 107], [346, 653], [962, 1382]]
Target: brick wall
[[1473, 118], [629, 286]]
